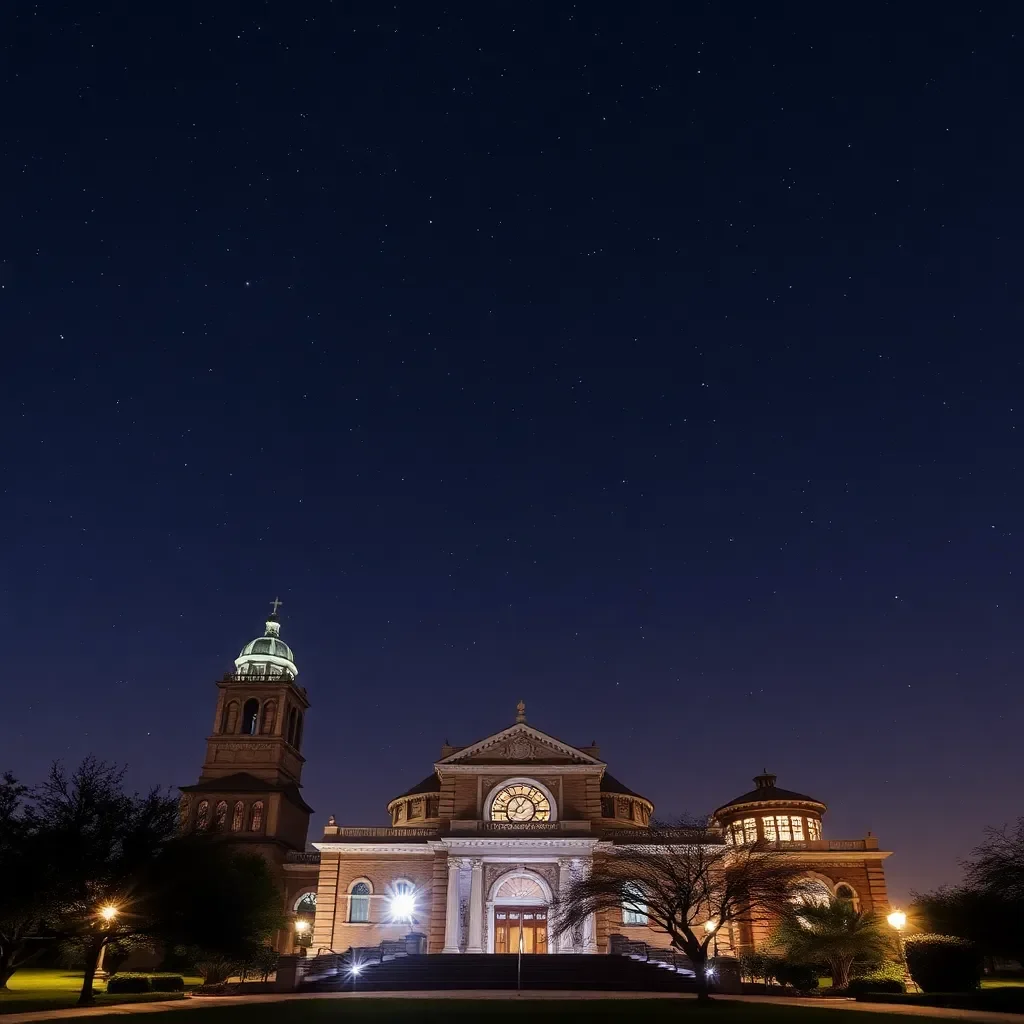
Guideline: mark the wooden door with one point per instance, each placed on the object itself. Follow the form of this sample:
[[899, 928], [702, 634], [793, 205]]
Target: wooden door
[[513, 925]]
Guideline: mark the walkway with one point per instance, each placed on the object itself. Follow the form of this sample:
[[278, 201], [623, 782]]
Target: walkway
[[931, 1012]]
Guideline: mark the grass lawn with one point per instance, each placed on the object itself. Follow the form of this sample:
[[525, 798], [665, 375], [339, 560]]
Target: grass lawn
[[513, 1011], [40, 988]]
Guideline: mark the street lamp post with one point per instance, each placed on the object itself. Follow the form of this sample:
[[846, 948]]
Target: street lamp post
[[108, 914], [898, 921], [711, 927], [301, 928]]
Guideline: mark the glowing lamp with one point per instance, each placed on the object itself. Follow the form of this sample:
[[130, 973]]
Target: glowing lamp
[[301, 926], [109, 912], [403, 906], [355, 968], [710, 926], [898, 920]]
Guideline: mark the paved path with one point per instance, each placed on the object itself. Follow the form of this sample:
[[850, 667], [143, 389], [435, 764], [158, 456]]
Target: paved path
[[168, 1006]]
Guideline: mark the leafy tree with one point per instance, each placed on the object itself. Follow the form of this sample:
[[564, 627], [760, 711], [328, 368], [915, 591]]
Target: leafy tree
[[988, 907], [832, 932], [681, 877], [99, 868], [104, 843], [25, 896]]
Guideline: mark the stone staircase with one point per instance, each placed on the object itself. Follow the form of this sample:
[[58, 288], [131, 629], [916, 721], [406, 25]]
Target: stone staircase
[[555, 971]]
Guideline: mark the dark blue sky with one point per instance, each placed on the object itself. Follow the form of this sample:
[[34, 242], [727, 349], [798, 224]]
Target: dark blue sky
[[660, 369]]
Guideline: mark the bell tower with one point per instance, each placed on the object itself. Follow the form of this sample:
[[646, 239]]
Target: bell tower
[[250, 781]]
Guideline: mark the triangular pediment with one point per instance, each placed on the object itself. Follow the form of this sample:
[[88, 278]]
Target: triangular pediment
[[520, 744]]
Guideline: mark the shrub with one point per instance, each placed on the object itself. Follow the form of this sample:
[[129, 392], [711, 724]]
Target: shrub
[[758, 966], [167, 983], [858, 986], [943, 963], [802, 977], [125, 983]]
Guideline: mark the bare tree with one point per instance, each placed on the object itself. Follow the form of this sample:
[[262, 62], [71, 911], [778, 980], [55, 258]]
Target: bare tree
[[681, 877]]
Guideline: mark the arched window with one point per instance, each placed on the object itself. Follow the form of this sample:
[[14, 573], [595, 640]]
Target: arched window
[[203, 814], [269, 714], [256, 817], [634, 909], [237, 816], [845, 891], [298, 731], [306, 903], [293, 716], [359, 902], [229, 722], [250, 716], [220, 815]]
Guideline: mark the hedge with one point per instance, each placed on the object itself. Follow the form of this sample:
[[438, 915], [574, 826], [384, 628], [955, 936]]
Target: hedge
[[943, 963]]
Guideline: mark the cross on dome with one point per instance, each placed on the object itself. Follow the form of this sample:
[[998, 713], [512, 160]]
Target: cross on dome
[[275, 604]]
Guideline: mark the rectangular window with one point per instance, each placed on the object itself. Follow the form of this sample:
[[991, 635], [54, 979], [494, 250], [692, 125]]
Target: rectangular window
[[768, 827], [416, 809], [798, 828], [785, 835], [634, 909], [750, 830], [813, 828], [737, 832], [607, 807]]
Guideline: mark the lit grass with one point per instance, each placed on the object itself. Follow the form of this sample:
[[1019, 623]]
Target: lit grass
[[41, 988]]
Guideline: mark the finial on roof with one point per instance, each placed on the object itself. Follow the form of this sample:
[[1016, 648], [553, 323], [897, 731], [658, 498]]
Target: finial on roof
[[521, 713], [764, 781], [331, 821]]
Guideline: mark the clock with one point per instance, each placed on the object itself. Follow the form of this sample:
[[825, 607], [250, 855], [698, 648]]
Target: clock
[[520, 802]]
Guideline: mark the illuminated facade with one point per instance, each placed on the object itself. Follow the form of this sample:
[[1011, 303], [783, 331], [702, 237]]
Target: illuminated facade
[[474, 854]]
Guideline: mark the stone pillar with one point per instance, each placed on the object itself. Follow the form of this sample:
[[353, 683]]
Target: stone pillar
[[476, 908], [452, 915], [565, 942], [590, 925]]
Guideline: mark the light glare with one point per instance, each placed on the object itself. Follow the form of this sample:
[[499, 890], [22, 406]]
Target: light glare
[[403, 905]]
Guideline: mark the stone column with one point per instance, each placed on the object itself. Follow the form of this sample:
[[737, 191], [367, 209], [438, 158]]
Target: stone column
[[451, 917], [476, 908], [565, 942], [590, 925]]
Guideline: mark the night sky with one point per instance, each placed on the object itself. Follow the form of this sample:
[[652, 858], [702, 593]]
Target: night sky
[[661, 369]]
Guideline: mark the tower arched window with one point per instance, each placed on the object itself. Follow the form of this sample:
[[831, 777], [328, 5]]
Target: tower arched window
[[250, 716], [229, 721], [293, 717], [359, 902], [297, 742], [237, 817], [203, 814], [256, 817], [269, 716], [220, 815]]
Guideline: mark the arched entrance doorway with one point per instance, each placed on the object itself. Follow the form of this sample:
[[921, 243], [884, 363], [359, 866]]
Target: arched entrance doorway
[[517, 913]]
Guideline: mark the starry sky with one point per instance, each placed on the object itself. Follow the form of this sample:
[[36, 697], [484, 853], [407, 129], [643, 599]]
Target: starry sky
[[657, 364]]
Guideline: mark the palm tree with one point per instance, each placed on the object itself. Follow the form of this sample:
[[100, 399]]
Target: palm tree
[[832, 932]]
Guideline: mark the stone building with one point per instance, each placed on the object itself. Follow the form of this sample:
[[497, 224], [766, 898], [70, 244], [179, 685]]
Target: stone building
[[475, 852]]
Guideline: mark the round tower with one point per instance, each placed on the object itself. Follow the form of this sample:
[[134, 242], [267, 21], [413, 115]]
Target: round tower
[[770, 813]]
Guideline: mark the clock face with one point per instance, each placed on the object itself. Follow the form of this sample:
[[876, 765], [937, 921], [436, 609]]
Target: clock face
[[520, 802]]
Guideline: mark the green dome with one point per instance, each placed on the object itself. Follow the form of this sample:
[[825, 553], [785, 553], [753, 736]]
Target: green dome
[[268, 645], [267, 656]]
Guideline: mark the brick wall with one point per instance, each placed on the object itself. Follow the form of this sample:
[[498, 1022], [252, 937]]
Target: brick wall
[[333, 930]]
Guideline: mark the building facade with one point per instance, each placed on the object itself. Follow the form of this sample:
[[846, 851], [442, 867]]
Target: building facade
[[473, 855]]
